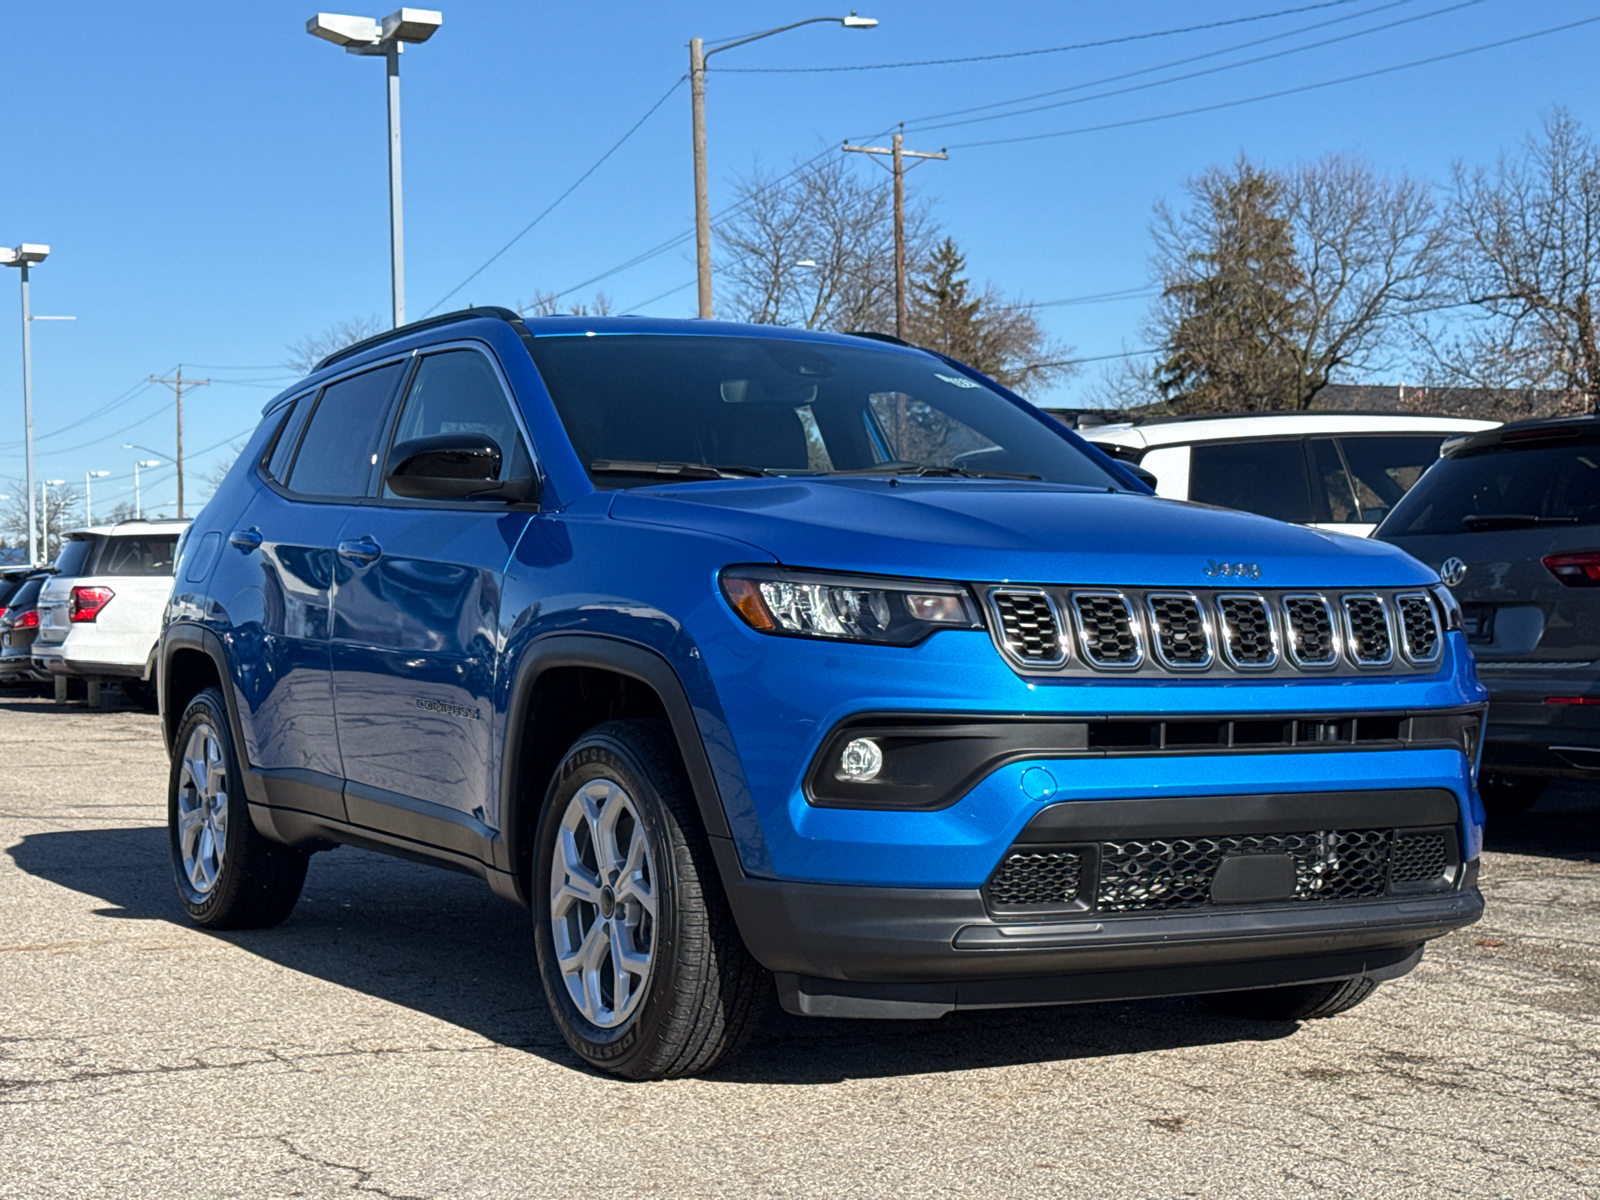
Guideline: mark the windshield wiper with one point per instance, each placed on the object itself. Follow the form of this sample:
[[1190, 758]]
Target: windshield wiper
[[672, 470], [931, 470], [1511, 520]]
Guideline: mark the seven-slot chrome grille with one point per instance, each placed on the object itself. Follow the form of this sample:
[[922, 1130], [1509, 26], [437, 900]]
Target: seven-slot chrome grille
[[1064, 630]]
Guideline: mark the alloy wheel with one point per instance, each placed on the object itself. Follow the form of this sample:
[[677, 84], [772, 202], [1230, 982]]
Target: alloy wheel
[[603, 903], [203, 809]]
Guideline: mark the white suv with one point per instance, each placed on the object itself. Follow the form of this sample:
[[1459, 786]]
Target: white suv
[[1333, 470], [100, 614]]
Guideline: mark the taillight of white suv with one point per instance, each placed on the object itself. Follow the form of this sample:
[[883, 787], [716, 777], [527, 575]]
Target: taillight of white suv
[[87, 602]]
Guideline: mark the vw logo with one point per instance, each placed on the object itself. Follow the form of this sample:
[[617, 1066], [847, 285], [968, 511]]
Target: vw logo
[[1452, 571]]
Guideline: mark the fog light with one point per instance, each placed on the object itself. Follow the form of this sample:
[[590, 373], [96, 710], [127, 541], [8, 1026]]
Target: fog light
[[861, 760]]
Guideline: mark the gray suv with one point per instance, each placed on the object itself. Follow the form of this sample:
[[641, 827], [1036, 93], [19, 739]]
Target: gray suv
[[1511, 520]]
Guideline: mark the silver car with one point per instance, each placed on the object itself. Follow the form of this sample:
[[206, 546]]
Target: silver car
[[1510, 518]]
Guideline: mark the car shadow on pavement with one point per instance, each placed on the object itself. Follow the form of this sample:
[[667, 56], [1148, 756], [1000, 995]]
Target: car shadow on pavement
[[1565, 823], [443, 945]]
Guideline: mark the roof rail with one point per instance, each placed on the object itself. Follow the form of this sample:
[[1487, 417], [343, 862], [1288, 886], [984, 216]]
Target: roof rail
[[377, 339], [1174, 418]]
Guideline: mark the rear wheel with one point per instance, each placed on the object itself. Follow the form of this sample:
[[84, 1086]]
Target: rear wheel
[[641, 962], [228, 875], [1510, 795], [1299, 1002]]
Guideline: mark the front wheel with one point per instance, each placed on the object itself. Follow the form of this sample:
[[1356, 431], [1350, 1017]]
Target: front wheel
[[228, 875], [641, 962], [1298, 1002]]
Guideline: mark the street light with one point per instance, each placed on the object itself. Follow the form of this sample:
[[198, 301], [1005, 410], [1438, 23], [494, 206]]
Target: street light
[[138, 500], [23, 257], [44, 511], [88, 494], [697, 103], [363, 35]]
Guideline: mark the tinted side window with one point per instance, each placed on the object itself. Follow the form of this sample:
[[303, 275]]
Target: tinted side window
[[74, 556], [1385, 468], [1336, 499], [458, 392], [137, 554], [290, 424], [336, 453], [27, 595], [1266, 477]]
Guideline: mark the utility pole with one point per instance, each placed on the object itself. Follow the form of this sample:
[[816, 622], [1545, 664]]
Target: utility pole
[[898, 154], [177, 385]]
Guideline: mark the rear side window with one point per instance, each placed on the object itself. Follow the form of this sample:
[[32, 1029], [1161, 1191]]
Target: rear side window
[[1382, 469], [8, 588], [1267, 477], [137, 554], [289, 426], [74, 556], [1504, 489], [336, 453]]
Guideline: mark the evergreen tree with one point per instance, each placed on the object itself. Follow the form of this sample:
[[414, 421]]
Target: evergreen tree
[[1231, 288]]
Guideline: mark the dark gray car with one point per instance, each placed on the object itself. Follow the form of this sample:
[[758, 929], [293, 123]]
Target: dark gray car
[[1511, 520]]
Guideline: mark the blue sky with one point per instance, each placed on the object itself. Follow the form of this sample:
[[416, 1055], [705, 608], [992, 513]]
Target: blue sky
[[212, 180]]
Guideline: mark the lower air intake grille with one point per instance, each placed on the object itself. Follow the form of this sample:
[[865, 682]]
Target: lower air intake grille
[[1367, 624], [1159, 874], [1247, 631], [1027, 878], [1420, 627], [1418, 857], [1105, 624], [1311, 639], [1179, 631], [1028, 627]]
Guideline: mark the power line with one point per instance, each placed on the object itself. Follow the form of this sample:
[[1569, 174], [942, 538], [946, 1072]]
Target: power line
[[615, 146], [1174, 62], [1309, 87], [971, 58], [1244, 62]]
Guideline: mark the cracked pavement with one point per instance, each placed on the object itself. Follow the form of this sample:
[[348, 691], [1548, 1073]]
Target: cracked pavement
[[389, 1039]]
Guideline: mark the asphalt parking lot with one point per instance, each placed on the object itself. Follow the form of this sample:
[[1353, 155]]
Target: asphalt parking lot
[[389, 1039]]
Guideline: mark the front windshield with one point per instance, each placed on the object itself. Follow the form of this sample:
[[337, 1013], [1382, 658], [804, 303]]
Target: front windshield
[[637, 407]]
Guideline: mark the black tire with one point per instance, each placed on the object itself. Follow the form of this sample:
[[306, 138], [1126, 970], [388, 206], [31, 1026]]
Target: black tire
[[1510, 795], [1298, 1002], [703, 993], [257, 882]]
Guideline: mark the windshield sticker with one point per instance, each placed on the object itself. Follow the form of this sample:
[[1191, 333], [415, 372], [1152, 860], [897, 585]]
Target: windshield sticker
[[957, 380]]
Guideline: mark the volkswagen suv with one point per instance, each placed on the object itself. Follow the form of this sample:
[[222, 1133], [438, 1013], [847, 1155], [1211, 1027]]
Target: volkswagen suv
[[746, 656]]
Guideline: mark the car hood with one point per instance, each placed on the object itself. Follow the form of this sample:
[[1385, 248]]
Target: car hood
[[992, 530]]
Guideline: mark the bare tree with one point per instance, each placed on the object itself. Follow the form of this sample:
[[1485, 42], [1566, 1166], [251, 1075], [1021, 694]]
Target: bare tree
[[815, 248], [306, 353], [1276, 282], [1527, 258], [60, 513], [548, 304]]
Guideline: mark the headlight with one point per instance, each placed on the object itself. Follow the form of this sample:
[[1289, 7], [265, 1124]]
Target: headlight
[[855, 608], [1449, 606]]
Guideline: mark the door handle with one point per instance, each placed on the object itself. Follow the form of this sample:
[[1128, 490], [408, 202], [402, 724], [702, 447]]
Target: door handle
[[362, 550], [245, 539]]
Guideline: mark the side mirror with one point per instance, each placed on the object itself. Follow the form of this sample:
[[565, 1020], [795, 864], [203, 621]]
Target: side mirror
[[454, 466], [1139, 473]]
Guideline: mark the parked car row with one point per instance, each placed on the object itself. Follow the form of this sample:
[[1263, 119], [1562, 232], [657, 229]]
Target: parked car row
[[95, 615]]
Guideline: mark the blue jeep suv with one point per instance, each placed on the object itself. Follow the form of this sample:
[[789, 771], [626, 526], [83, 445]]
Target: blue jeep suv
[[750, 657]]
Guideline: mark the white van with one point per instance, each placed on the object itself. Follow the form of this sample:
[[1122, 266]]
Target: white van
[[1336, 471]]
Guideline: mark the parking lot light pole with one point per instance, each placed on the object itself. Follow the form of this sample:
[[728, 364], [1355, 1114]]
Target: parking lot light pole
[[697, 108], [44, 513], [138, 500], [24, 256], [364, 35], [88, 494]]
